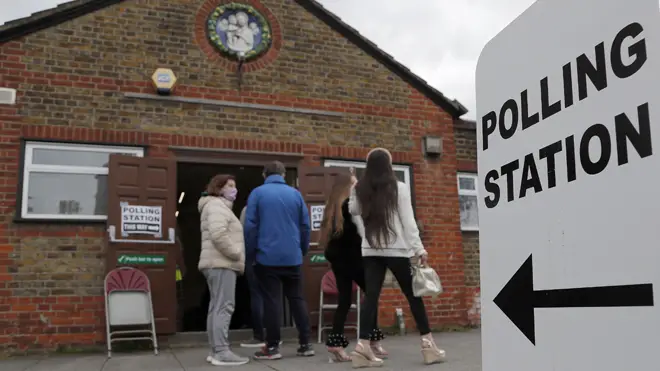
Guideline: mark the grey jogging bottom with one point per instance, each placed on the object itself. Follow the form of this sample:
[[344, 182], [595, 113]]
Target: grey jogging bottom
[[222, 287]]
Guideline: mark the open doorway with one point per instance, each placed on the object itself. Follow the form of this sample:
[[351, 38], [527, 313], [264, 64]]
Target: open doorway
[[192, 179]]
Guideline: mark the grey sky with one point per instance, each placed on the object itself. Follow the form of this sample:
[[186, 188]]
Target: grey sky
[[440, 40]]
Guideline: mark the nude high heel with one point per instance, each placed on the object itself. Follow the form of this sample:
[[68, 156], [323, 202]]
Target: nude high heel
[[378, 350], [430, 352], [363, 357], [337, 355]]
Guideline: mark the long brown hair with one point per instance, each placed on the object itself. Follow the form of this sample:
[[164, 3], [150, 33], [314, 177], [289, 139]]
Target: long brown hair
[[333, 218], [378, 193]]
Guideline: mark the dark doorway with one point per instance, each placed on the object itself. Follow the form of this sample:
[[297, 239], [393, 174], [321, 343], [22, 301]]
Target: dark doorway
[[191, 182]]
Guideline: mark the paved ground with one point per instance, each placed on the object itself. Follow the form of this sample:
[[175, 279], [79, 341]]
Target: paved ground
[[463, 354]]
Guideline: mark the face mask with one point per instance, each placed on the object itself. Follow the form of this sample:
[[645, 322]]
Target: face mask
[[230, 194]]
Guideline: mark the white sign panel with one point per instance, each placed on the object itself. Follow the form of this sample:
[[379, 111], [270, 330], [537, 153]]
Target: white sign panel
[[316, 214], [137, 219], [568, 121]]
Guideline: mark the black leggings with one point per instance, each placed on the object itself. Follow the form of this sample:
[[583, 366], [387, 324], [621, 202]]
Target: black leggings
[[375, 268], [344, 277]]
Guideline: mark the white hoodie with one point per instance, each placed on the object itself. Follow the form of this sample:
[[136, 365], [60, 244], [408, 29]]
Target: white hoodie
[[407, 242]]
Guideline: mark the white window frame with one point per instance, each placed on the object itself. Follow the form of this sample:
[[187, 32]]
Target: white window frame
[[361, 165], [468, 192], [29, 167]]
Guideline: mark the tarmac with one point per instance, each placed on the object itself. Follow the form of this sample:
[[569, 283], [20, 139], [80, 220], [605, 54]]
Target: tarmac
[[463, 354]]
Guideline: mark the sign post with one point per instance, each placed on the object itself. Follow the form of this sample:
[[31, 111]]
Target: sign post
[[568, 125]]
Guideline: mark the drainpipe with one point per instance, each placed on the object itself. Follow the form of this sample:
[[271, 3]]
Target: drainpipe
[[400, 321]]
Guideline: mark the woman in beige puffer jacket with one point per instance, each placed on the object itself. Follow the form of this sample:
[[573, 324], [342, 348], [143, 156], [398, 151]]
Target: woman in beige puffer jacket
[[221, 260]]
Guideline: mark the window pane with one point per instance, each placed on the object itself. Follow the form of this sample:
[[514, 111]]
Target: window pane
[[67, 194], [400, 175], [467, 183], [65, 157], [469, 214]]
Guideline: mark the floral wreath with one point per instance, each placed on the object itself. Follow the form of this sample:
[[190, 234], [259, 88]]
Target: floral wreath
[[266, 36]]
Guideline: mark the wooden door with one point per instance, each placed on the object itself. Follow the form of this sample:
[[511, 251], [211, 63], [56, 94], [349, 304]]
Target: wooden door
[[315, 184], [137, 188]]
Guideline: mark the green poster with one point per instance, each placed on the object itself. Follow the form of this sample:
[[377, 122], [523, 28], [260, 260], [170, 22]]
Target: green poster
[[317, 258], [135, 259]]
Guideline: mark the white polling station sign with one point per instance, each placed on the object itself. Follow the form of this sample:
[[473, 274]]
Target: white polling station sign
[[316, 215], [568, 121]]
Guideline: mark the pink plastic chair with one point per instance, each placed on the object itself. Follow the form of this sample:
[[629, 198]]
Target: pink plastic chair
[[128, 303], [329, 288]]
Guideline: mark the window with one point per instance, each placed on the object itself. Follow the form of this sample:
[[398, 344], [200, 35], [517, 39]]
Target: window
[[401, 171], [67, 181], [468, 199]]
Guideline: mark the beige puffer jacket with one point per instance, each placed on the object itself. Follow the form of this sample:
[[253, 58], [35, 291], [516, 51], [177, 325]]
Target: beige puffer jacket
[[222, 235]]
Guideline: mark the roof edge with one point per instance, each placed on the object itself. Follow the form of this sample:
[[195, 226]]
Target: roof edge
[[465, 124], [51, 18]]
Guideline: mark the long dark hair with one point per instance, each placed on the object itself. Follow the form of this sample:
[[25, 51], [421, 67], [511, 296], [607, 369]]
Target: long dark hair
[[378, 193], [333, 218]]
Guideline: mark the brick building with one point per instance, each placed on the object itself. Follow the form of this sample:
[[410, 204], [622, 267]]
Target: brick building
[[286, 80], [465, 137]]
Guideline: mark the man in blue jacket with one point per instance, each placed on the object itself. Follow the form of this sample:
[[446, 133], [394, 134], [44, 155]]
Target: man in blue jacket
[[277, 232]]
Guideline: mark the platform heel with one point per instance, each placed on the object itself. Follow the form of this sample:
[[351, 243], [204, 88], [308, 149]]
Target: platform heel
[[378, 350], [431, 353], [363, 357], [337, 355]]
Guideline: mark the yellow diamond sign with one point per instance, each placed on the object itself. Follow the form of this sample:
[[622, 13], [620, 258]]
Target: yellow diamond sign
[[164, 80]]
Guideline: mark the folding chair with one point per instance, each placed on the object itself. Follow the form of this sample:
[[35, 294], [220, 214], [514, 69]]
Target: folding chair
[[329, 288], [128, 303]]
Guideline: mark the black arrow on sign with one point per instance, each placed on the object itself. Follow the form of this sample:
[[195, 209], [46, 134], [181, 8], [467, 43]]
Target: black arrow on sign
[[517, 299]]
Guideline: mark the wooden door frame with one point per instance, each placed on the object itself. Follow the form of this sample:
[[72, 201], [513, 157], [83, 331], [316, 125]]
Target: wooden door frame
[[312, 271], [163, 291], [230, 157], [234, 157]]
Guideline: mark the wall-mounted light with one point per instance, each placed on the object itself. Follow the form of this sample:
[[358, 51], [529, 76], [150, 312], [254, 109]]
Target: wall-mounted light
[[176, 214], [432, 146], [181, 197]]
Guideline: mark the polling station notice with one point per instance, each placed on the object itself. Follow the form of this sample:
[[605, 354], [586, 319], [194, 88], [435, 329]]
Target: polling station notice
[[137, 219], [316, 215]]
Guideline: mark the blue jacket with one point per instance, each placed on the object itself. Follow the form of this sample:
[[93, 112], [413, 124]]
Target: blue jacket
[[277, 227]]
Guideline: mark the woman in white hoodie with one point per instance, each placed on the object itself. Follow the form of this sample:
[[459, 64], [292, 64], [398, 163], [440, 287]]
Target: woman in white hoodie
[[222, 258], [382, 208]]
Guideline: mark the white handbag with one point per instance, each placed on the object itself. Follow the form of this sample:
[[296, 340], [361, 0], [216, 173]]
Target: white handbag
[[426, 281]]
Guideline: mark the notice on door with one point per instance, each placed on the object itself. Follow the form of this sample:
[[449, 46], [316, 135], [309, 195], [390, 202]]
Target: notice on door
[[132, 259], [317, 216], [137, 219], [318, 258]]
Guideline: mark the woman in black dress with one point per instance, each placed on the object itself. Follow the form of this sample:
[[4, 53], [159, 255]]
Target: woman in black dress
[[342, 244]]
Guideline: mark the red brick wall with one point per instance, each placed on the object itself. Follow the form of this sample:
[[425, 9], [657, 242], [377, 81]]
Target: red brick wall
[[465, 137], [71, 79]]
